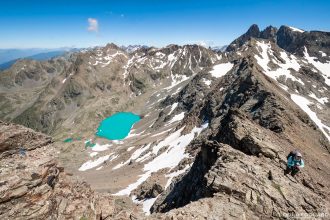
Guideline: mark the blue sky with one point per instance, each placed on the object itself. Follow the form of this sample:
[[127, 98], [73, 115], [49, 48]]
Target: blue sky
[[58, 23]]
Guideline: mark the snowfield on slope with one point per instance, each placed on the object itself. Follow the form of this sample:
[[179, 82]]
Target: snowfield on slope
[[303, 103], [284, 68], [221, 69], [169, 159], [94, 163], [324, 68]]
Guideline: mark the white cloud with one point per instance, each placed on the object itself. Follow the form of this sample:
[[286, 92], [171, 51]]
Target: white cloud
[[93, 25], [205, 43]]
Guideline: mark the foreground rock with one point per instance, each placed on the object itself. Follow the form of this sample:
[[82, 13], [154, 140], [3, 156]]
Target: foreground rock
[[230, 184], [34, 186]]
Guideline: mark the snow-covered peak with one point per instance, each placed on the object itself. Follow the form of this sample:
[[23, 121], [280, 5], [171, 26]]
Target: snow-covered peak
[[132, 48]]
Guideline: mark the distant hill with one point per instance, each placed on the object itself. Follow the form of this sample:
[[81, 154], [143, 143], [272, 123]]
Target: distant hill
[[7, 55], [33, 54]]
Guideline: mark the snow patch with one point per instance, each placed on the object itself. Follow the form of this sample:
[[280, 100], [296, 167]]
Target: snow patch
[[207, 82], [93, 154], [138, 152], [131, 134], [304, 103], [146, 204], [89, 140], [296, 29], [177, 117], [322, 100], [324, 68], [91, 164], [221, 69], [144, 157], [175, 174], [323, 54], [117, 142], [160, 133], [99, 147], [130, 148], [120, 165], [174, 105], [133, 186]]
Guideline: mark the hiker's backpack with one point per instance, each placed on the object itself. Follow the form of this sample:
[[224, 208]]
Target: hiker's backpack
[[292, 153]]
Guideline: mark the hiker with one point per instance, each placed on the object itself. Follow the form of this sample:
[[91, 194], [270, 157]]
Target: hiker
[[295, 163]]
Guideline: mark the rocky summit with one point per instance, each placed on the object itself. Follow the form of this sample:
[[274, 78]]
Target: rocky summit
[[212, 141]]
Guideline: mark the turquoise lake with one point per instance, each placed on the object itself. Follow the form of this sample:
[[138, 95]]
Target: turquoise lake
[[117, 126]]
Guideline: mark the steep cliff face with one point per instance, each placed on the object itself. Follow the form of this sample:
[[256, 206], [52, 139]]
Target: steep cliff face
[[295, 40]]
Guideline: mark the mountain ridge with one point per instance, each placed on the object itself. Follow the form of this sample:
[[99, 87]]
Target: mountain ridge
[[215, 130]]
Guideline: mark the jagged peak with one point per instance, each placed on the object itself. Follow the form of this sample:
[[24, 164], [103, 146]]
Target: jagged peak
[[112, 46], [253, 31], [270, 28], [268, 33]]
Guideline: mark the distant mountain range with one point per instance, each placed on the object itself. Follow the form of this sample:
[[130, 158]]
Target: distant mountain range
[[219, 48], [132, 48], [9, 56]]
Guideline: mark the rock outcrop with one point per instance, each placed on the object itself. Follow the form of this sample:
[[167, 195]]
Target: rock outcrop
[[15, 137], [34, 186], [241, 185]]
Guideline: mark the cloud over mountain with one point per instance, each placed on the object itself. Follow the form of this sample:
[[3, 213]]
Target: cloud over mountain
[[93, 25]]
